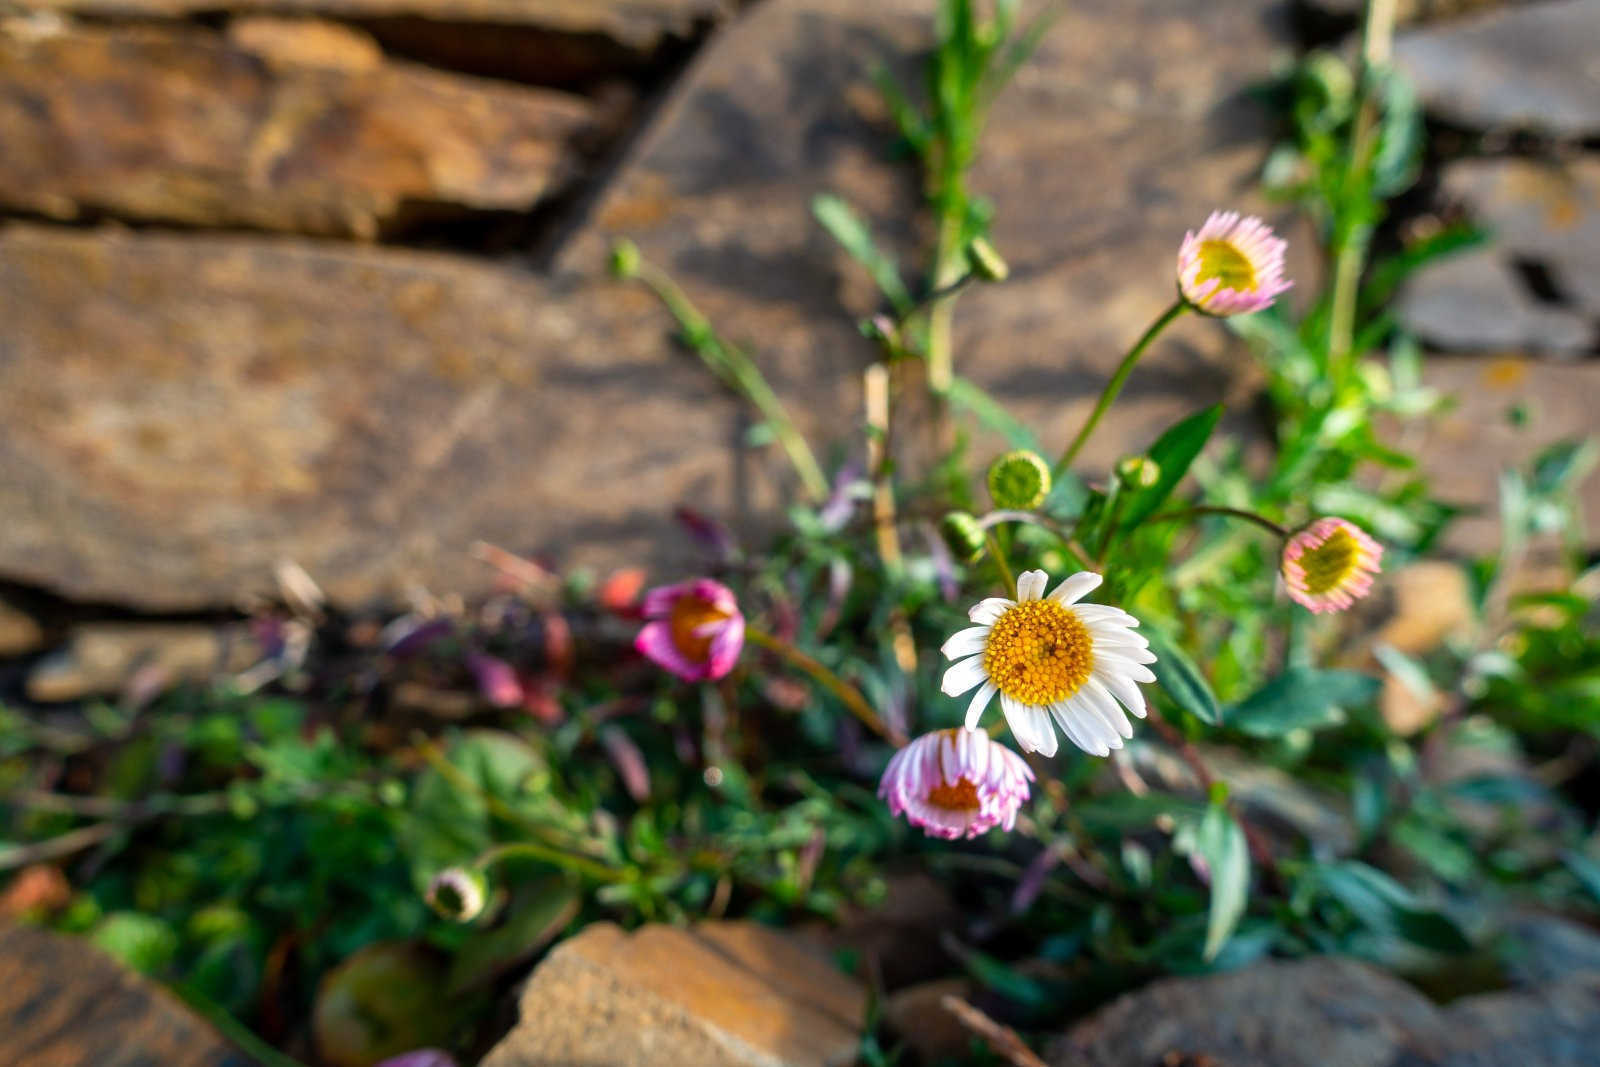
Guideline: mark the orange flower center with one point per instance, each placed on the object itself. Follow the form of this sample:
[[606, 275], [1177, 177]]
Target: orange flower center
[[1221, 260], [1330, 564], [1039, 652], [691, 626], [960, 795]]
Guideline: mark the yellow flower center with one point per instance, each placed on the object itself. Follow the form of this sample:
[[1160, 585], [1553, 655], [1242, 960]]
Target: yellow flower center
[[960, 795], [1039, 652], [1220, 259], [1330, 564], [688, 616]]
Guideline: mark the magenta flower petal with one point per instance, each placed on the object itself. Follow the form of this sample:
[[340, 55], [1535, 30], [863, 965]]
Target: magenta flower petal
[[956, 783], [1329, 565], [1232, 266], [694, 629]]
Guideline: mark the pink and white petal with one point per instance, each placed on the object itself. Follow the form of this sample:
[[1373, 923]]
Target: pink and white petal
[[965, 642], [657, 603], [1030, 585], [963, 675], [980, 702], [726, 645], [1075, 587], [654, 642]]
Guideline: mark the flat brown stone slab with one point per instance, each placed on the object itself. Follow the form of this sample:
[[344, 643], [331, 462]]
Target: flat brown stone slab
[[182, 412], [63, 1003], [287, 127], [733, 994], [1127, 127], [631, 22]]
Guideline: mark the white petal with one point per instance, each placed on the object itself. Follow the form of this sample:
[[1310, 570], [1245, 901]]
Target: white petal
[[963, 675], [1106, 613], [966, 642], [1080, 727], [1123, 688], [1030, 585], [1124, 666], [986, 611], [980, 702], [1021, 723], [1043, 732], [1106, 706], [1075, 587]]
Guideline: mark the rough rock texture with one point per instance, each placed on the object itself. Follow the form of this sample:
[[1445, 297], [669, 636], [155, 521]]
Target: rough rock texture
[[65, 1004], [1475, 302], [1526, 67], [1314, 1013], [290, 127], [102, 658], [1335, 1013], [1540, 211], [1125, 129], [183, 412], [723, 994], [632, 22], [1464, 449]]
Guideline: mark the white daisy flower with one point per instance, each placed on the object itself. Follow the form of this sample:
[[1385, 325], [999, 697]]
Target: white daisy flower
[[1050, 657]]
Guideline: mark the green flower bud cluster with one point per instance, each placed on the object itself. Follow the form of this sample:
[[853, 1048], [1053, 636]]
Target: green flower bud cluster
[[1019, 480]]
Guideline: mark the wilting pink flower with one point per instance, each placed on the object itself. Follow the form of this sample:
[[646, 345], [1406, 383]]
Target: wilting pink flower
[[497, 682], [1234, 265], [956, 783], [1329, 565], [694, 629]]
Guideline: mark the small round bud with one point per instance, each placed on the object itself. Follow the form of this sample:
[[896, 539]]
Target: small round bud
[[624, 260], [1139, 472], [985, 262], [1019, 480], [882, 330], [963, 536], [457, 894]]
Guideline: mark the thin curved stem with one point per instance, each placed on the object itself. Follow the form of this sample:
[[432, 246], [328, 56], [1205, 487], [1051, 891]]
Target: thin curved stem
[[555, 857], [1109, 394], [848, 694], [1000, 562], [1232, 513]]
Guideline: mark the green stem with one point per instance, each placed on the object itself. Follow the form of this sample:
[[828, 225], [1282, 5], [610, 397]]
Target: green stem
[[1232, 513], [1114, 386], [948, 265], [738, 370], [848, 694], [565, 860], [1000, 562]]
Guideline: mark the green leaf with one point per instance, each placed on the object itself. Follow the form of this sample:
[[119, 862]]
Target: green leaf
[[1181, 679], [1302, 698], [538, 912], [841, 220], [1381, 904], [965, 394], [1220, 841], [142, 942], [1174, 451]]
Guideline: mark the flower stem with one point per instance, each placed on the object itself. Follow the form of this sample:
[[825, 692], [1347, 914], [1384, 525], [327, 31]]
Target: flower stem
[[1000, 562], [1232, 513], [1114, 386], [738, 371], [848, 694], [555, 857]]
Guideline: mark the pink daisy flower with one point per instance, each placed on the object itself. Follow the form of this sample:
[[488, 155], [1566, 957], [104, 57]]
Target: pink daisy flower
[[1233, 266], [1329, 565], [693, 629], [956, 783]]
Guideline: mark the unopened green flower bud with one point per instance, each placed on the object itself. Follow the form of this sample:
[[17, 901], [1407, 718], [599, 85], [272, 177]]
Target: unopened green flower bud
[[985, 262], [1019, 480], [625, 260], [963, 536], [457, 894], [1139, 472]]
